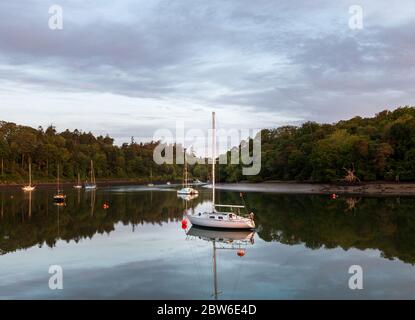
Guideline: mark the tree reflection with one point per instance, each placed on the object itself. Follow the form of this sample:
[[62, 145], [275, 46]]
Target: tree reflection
[[316, 221]]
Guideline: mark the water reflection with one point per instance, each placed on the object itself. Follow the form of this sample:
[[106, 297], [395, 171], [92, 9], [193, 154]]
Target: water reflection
[[236, 240], [386, 224]]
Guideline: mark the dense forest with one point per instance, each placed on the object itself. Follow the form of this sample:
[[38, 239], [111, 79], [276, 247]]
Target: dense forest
[[378, 148], [46, 148]]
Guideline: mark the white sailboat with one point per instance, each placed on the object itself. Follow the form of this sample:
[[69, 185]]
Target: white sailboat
[[219, 219], [186, 189], [59, 197], [92, 185], [151, 184], [29, 187], [78, 185]]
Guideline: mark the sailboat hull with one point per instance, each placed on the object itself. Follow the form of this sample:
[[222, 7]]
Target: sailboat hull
[[59, 199], [187, 191], [28, 188], [224, 235], [212, 220]]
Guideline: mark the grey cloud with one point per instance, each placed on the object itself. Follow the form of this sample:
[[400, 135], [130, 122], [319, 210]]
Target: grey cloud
[[270, 56]]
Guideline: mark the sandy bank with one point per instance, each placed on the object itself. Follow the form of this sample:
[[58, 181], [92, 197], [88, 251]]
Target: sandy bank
[[383, 188]]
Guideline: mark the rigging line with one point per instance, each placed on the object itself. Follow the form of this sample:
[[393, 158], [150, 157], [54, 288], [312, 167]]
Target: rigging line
[[244, 202]]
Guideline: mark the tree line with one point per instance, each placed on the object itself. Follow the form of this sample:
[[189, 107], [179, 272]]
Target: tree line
[[376, 148], [73, 150]]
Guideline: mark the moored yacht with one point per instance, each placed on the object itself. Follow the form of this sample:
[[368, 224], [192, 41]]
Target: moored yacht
[[186, 189], [29, 187], [92, 185], [59, 196], [78, 185], [221, 219]]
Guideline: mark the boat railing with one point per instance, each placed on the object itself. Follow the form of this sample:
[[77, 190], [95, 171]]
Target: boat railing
[[229, 206]]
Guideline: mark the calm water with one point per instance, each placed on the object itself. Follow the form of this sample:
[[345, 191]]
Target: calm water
[[302, 248]]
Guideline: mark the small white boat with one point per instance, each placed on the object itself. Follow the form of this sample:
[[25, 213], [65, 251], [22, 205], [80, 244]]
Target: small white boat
[[29, 187], [92, 185], [186, 189], [168, 183], [187, 197], [59, 197], [151, 184], [215, 218], [78, 185]]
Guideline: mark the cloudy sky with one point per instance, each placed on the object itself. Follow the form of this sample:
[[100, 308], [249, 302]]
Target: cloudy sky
[[129, 67]]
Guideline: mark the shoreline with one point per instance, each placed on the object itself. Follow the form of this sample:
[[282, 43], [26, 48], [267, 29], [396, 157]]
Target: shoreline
[[380, 188], [50, 185], [369, 188]]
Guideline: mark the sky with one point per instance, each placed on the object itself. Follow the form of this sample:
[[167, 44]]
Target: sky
[[131, 67]]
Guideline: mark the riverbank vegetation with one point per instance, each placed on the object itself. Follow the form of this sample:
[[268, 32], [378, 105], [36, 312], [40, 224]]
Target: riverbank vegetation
[[73, 150], [365, 149], [377, 148]]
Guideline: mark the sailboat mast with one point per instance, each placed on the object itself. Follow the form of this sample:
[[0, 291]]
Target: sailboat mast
[[185, 170], [58, 178], [213, 158], [30, 174], [92, 173]]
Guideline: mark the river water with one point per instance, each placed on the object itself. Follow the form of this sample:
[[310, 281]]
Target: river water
[[303, 247]]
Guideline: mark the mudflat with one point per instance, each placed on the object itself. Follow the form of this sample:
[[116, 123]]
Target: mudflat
[[373, 188]]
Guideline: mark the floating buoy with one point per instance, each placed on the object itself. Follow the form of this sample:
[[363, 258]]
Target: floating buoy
[[240, 253], [105, 206], [184, 224], [334, 196]]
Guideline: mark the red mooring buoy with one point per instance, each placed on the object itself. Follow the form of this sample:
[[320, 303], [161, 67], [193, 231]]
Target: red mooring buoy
[[105, 206], [334, 196], [240, 253]]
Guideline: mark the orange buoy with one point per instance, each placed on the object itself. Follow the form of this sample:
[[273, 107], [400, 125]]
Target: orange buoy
[[105, 206], [184, 224], [240, 253]]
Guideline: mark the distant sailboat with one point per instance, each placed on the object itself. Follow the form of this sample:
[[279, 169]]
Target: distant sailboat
[[151, 184], [186, 189], [29, 187], [92, 185], [78, 185], [59, 197], [217, 219]]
